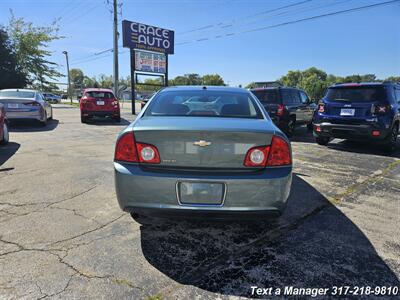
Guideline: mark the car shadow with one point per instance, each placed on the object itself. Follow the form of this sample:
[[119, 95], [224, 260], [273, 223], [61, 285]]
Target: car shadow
[[313, 244], [6, 152], [303, 135], [364, 148], [107, 122], [32, 126]]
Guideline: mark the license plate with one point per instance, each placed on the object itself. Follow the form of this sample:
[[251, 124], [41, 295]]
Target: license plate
[[201, 193], [100, 102], [12, 105], [347, 112]]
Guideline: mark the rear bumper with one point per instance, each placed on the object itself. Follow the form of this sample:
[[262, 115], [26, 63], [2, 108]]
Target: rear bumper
[[107, 113], [25, 115], [262, 193], [350, 131]]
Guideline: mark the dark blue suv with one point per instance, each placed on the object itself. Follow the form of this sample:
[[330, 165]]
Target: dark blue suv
[[359, 111]]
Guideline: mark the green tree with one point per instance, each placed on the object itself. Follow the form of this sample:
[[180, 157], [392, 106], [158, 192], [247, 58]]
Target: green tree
[[212, 79], [31, 48], [105, 81], [11, 75], [393, 78], [77, 78]]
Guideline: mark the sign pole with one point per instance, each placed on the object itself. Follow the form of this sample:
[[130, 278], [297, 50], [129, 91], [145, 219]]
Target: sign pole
[[133, 80], [166, 70]]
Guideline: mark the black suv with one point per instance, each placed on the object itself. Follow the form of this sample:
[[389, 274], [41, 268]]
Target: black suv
[[286, 106], [359, 111]]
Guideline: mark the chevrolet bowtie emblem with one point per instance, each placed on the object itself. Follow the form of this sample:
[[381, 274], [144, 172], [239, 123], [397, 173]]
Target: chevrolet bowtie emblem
[[202, 143]]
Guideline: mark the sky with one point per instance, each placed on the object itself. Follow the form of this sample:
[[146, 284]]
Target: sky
[[360, 42]]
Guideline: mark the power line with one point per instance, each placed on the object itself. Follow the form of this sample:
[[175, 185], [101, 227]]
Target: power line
[[221, 32], [221, 24], [293, 22]]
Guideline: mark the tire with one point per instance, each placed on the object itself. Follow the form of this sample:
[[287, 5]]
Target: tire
[[117, 119], [290, 127], [6, 135], [391, 140], [83, 119], [44, 123], [309, 126], [323, 141]]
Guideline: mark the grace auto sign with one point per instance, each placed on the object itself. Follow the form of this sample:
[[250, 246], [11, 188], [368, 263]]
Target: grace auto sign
[[146, 37]]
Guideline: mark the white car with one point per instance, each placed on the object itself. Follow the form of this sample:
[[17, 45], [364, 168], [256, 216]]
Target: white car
[[22, 104]]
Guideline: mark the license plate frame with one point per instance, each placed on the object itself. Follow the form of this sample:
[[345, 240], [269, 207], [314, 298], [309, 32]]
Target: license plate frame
[[200, 193], [100, 102], [347, 112], [12, 105]]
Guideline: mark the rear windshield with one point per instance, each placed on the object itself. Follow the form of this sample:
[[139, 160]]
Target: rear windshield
[[16, 94], [356, 94], [204, 103], [267, 96], [105, 95]]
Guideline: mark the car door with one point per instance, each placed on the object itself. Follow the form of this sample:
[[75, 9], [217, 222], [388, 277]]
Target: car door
[[287, 101], [300, 108], [397, 99], [308, 108]]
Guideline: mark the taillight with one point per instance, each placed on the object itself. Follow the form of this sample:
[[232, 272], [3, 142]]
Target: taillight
[[33, 103], [127, 149], [279, 154], [321, 107], [380, 109], [114, 103], [280, 110], [148, 153], [256, 156]]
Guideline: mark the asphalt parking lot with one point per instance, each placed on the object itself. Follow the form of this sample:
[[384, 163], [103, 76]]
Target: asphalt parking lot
[[62, 234]]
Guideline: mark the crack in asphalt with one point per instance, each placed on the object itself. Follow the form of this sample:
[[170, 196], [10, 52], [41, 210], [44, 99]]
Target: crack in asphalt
[[75, 213], [89, 231], [46, 204], [195, 275]]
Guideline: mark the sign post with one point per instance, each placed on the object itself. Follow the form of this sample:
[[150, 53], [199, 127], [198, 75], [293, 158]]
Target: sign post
[[149, 49]]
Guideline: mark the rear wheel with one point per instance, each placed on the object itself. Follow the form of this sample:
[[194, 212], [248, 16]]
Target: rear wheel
[[391, 139], [117, 119], [290, 127], [310, 126], [83, 119], [5, 138], [323, 141], [44, 122]]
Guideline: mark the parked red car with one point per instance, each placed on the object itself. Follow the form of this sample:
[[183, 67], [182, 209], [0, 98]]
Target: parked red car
[[99, 103], [4, 137]]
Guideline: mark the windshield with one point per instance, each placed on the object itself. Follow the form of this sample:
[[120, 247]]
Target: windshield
[[356, 94], [17, 94], [105, 95], [204, 103], [267, 96]]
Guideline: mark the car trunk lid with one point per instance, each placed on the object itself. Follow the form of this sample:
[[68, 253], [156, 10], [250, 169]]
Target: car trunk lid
[[354, 101], [18, 104], [201, 141]]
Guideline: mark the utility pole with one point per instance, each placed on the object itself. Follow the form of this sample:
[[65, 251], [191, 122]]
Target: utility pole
[[69, 80], [115, 36]]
